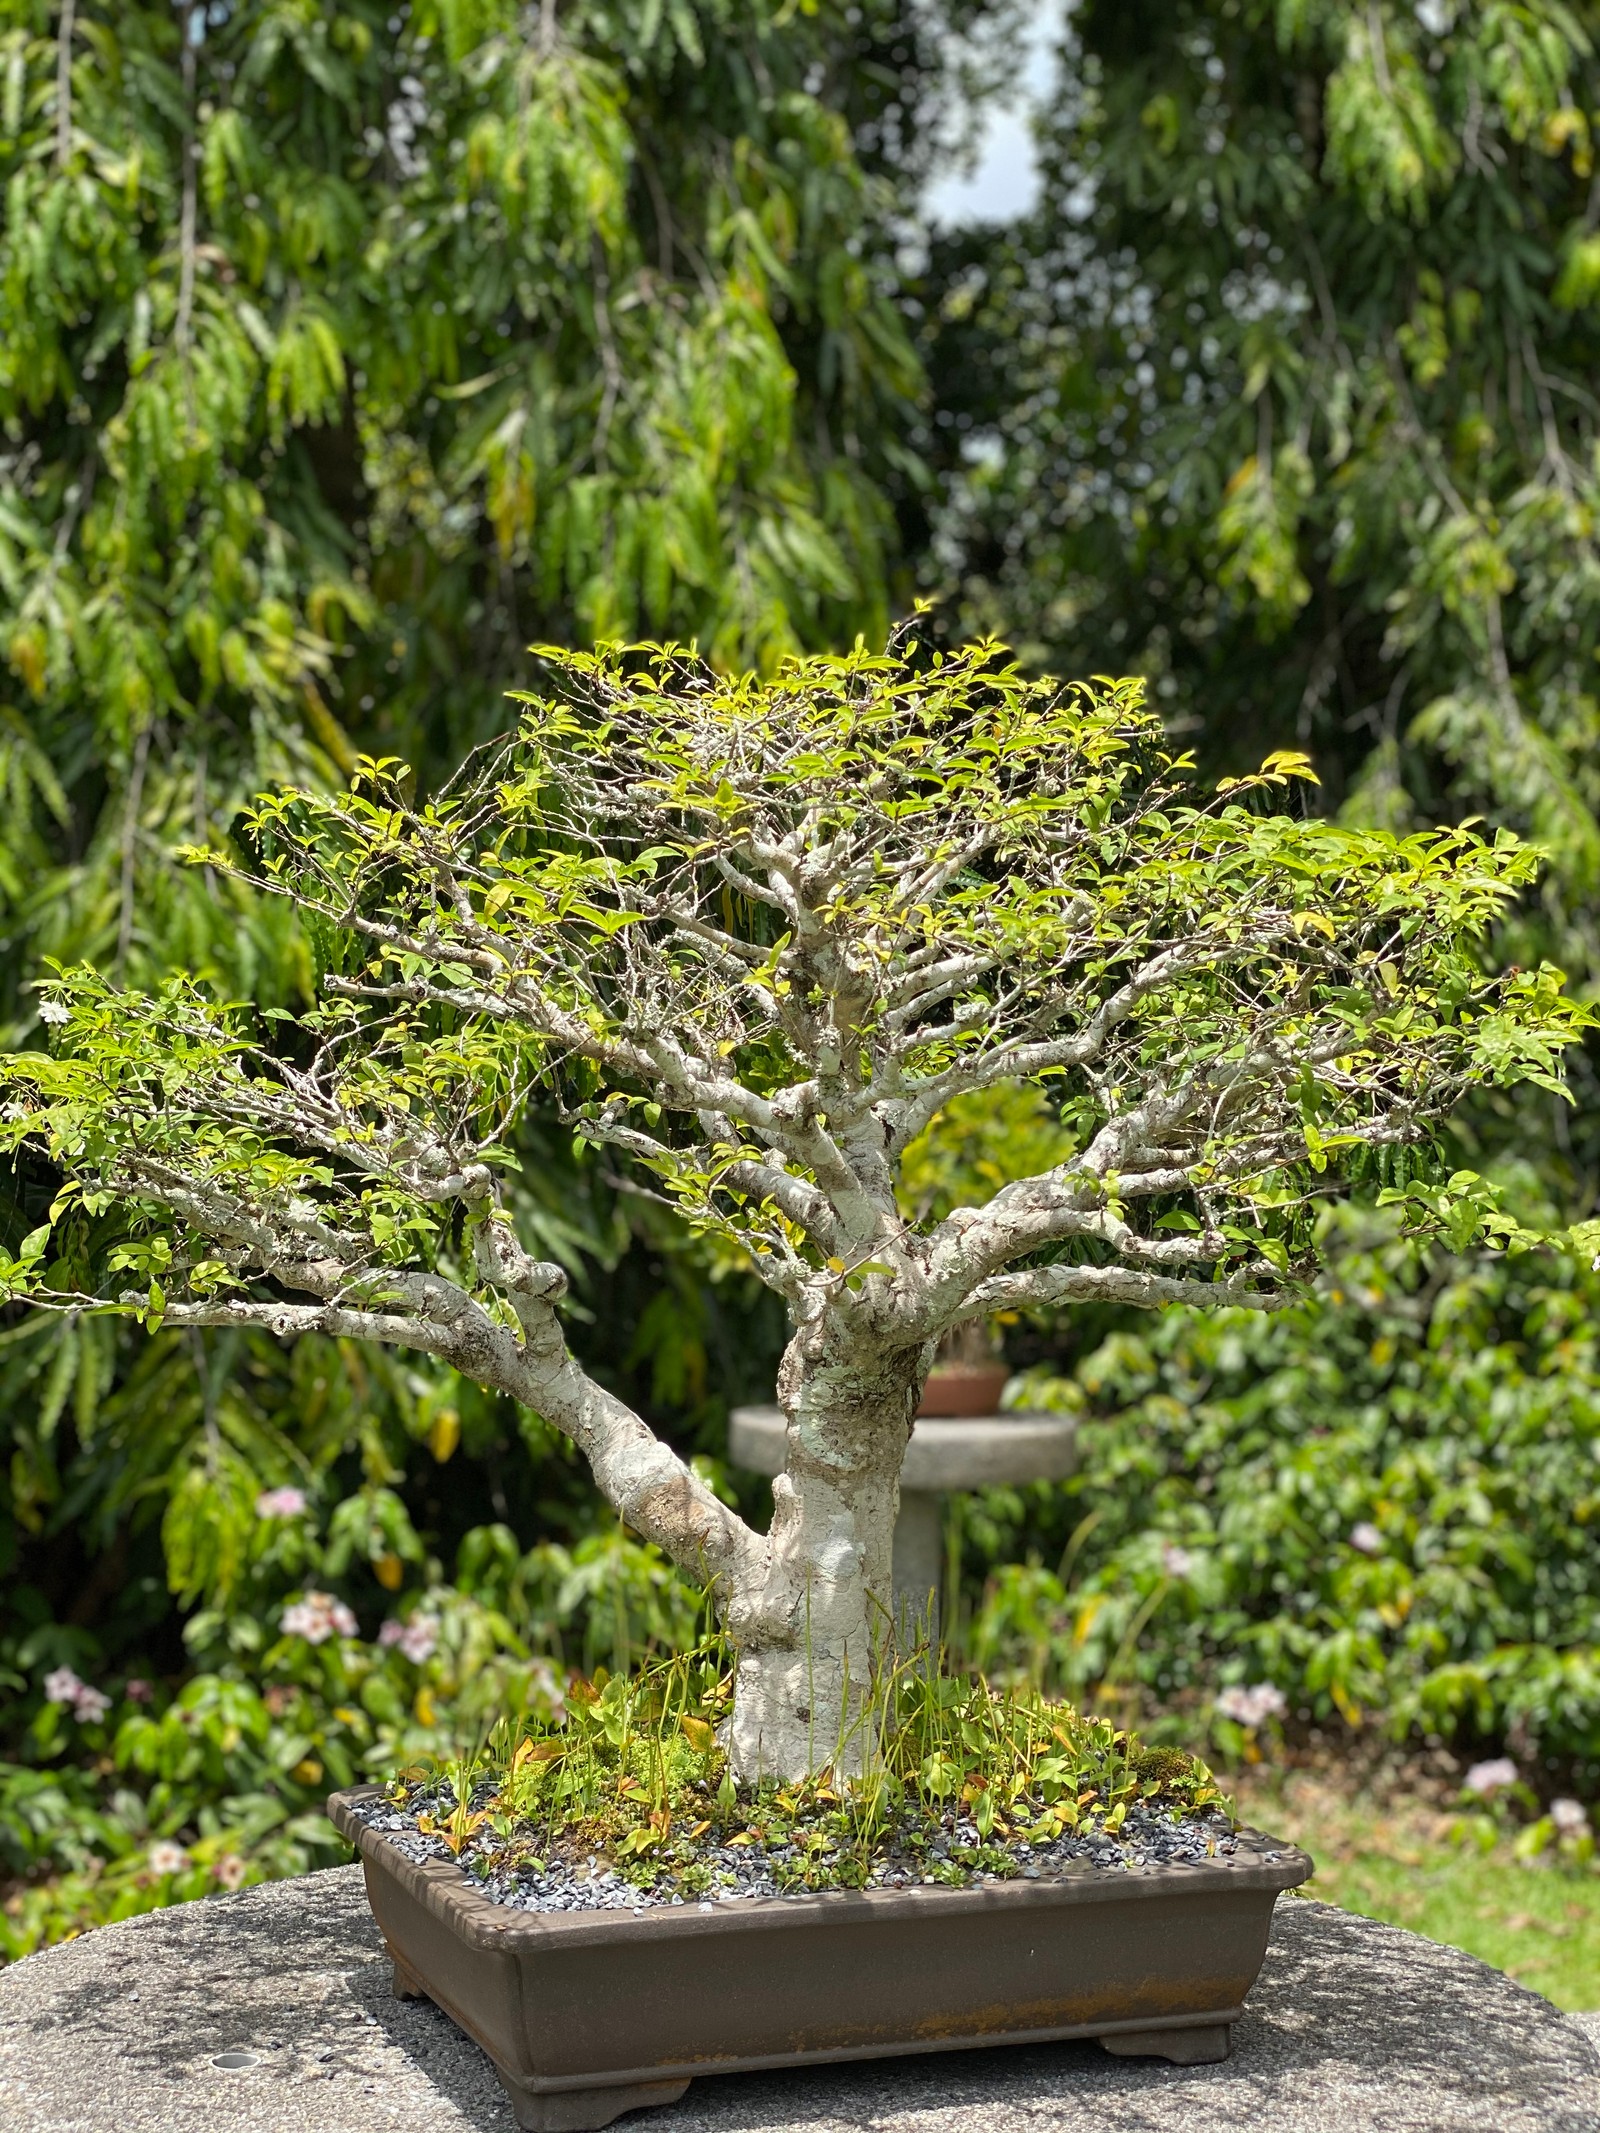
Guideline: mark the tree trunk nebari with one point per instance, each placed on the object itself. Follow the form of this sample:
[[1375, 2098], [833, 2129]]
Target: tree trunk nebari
[[809, 1644]]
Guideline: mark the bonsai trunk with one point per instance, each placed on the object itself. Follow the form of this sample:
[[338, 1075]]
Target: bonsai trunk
[[810, 1642]]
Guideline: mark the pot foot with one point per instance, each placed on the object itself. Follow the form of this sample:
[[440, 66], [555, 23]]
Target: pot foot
[[405, 1986], [1184, 2047], [582, 2110]]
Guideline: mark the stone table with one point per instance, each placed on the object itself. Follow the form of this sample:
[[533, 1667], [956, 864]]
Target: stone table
[[946, 1453], [270, 2012]]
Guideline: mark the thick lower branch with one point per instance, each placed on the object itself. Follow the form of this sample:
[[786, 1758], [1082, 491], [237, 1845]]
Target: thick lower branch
[[1037, 1287], [639, 1476], [644, 1480]]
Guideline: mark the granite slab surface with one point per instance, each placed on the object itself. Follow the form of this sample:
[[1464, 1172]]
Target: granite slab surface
[[270, 2012]]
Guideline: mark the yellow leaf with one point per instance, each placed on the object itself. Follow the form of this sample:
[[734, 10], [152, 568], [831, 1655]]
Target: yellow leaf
[[700, 1736], [1289, 763], [389, 1572], [445, 1434], [538, 1751], [1348, 1709], [307, 1772]]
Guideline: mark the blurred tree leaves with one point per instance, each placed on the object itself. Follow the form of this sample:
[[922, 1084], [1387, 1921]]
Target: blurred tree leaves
[[1284, 396], [343, 351]]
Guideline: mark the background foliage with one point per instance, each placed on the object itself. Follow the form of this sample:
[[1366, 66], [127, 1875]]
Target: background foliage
[[1284, 396], [1384, 1503], [345, 350]]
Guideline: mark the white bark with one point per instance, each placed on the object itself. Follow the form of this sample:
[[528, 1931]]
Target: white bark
[[814, 1634]]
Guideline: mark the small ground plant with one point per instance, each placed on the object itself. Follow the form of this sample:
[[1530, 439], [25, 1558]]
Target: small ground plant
[[634, 1784]]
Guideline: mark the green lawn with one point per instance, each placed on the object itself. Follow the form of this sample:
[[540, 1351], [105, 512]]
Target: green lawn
[[1391, 1860]]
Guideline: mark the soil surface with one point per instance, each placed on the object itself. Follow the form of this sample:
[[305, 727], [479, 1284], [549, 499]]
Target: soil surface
[[533, 1874]]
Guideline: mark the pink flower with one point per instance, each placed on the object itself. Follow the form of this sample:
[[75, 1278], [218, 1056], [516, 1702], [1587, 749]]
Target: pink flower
[[1176, 1562], [317, 1616], [1486, 1779], [230, 1870], [137, 1691], [167, 1858], [418, 1639], [1366, 1539], [280, 1503], [421, 1639], [63, 1686], [1253, 1706], [1569, 1817]]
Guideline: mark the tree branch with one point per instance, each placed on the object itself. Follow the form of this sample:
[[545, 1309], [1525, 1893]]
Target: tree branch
[[1037, 1287]]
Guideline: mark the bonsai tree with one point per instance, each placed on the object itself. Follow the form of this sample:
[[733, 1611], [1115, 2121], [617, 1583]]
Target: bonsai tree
[[752, 938]]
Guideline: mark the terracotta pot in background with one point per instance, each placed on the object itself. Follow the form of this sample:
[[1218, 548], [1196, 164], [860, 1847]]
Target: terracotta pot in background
[[964, 1389]]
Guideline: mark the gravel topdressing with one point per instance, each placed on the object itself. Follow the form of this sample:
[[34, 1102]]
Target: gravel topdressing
[[919, 1850]]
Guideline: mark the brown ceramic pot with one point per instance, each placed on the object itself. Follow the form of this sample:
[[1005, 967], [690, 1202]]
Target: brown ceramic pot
[[587, 2014], [964, 1389]]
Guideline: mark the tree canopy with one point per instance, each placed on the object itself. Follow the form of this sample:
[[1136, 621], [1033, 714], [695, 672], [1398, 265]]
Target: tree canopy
[[755, 936]]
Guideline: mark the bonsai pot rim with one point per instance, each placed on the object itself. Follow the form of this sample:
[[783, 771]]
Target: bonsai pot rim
[[678, 1944], [486, 1924]]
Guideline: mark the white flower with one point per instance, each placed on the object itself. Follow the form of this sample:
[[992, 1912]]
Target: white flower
[[1253, 1706], [53, 1012], [280, 1503], [167, 1858], [317, 1616], [418, 1639], [1570, 1817], [1176, 1562], [230, 1870], [63, 1686], [1366, 1538], [1486, 1779]]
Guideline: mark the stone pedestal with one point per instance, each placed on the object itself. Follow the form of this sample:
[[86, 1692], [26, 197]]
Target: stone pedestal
[[273, 2012], [946, 1453]]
